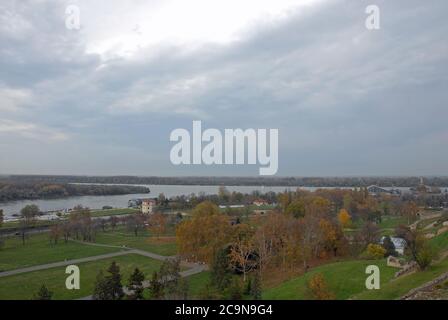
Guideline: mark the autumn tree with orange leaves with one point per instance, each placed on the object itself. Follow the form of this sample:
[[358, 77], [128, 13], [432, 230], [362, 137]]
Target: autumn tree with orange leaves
[[201, 236]]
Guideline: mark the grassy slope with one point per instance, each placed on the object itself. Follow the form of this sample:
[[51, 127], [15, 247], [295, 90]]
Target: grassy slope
[[390, 222], [197, 283], [344, 279], [143, 241], [37, 250], [396, 288], [24, 286], [440, 242]]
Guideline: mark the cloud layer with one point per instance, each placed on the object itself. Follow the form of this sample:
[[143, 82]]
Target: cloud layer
[[103, 99]]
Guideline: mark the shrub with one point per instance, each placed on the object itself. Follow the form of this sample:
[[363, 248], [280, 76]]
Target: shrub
[[374, 252], [317, 288]]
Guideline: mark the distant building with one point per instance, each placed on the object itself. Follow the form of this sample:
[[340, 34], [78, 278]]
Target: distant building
[[134, 203], [423, 189], [232, 206], [148, 205], [259, 202], [375, 190]]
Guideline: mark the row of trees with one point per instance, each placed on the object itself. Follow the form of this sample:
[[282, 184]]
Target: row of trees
[[164, 284], [11, 190], [307, 229]]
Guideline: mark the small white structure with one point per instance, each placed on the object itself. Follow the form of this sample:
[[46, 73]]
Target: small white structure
[[148, 205], [399, 244]]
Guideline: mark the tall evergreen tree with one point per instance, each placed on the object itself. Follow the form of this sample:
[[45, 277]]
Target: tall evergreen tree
[[43, 294], [109, 287], [155, 287], [220, 275], [255, 290], [114, 282], [101, 292], [136, 285]]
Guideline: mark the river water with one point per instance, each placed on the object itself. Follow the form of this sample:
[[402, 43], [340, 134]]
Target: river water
[[121, 201]]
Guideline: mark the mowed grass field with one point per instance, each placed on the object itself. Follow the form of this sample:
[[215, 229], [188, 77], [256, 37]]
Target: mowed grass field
[[24, 286], [344, 279], [165, 245], [38, 250]]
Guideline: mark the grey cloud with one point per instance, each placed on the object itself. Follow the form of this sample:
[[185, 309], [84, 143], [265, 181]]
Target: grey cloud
[[346, 100]]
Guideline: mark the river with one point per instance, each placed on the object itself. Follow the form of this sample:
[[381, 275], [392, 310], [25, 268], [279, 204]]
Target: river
[[121, 201]]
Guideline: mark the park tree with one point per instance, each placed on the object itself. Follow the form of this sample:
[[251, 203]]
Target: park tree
[[242, 250], [296, 209], [101, 290], [223, 194], [113, 221], [317, 288], [417, 246], [317, 206], [55, 233], [284, 199], [201, 236], [369, 233], [109, 287], [43, 293], [114, 282], [389, 246], [81, 223], [235, 290], [155, 287], [135, 223], [255, 289], [344, 218], [409, 210], [136, 285], [28, 217], [2, 217], [172, 286], [157, 224], [219, 270]]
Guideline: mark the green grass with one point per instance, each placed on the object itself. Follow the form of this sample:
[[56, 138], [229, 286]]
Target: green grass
[[24, 286], [197, 283], [398, 287], [113, 212], [38, 250], [144, 241], [440, 242], [344, 279], [16, 224], [391, 222]]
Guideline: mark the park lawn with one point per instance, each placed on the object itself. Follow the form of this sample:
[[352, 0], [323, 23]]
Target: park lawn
[[113, 212], [391, 222], [24, 286], [398, 287], [197, 283], [38, 250], [165, 246], [344, 279], [440, 242]]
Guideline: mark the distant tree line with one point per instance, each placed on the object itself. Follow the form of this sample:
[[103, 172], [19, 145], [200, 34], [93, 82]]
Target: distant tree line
[[12, 189], [241, 181]]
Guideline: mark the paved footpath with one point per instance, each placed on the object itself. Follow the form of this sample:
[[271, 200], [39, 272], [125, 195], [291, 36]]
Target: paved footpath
[[194, 268], [63, 263]]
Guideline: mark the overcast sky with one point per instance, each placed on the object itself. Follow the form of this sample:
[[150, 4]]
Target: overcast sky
[[103, 100]]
